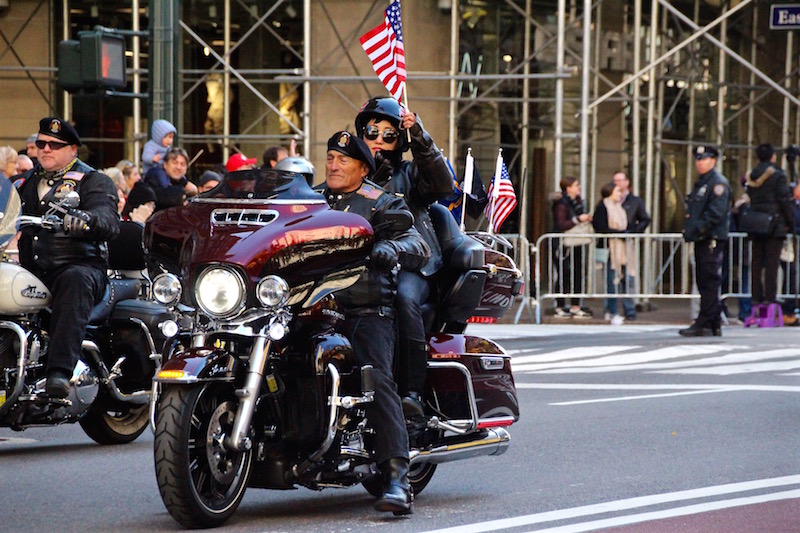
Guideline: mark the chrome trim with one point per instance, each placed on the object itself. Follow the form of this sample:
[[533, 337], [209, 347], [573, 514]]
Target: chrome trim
[[23, 349], [469, 425], [232, 216], [333, 414], [153, 402], [239, 439], [492, 362], [257, 201], [494, 442]]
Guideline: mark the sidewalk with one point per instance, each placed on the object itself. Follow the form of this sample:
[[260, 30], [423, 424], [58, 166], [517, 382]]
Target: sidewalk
[[665, 311]]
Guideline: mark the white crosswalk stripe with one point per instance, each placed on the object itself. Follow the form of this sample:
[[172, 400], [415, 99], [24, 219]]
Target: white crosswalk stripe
[[680, 359]]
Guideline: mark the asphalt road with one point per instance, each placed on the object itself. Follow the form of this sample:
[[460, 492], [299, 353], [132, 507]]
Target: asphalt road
[[628, 429]]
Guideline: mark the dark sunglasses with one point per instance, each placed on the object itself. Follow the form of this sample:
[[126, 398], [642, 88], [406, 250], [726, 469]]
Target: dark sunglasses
[[371, 133], [54, 145]]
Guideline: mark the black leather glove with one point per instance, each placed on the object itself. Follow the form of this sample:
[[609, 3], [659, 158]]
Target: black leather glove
[[384, 255], [77, 222], [384, 169]]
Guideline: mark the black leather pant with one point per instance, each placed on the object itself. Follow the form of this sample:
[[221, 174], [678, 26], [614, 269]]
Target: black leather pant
[[413, 290], [76, 289], [373, 339]]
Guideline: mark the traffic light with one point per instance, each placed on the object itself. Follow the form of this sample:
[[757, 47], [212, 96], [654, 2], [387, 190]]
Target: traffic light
[[96, 61]]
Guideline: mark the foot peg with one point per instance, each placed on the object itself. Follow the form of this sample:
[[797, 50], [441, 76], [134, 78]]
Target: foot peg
[[367, 380]]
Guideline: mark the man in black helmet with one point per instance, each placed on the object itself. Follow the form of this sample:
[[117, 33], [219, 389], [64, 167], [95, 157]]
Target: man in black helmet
[[72, 262], [383, 125], [367, 304]]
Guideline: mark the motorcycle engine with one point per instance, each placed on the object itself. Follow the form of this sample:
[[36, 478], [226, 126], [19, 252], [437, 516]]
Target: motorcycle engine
[[9, 348], [84, 389]]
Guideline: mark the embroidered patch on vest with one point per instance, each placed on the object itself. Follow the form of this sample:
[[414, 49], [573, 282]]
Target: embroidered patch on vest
[[368, 191], [74, 175], [719, 189]]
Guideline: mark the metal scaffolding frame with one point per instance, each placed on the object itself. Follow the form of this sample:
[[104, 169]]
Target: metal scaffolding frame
[[641, 92]]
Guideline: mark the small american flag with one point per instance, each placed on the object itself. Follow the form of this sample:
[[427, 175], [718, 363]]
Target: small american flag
[[502, 199], [384, 47]]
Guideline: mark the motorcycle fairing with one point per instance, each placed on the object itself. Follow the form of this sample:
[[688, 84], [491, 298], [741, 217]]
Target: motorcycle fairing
[[198, 364], [453, 359], [10, 208]]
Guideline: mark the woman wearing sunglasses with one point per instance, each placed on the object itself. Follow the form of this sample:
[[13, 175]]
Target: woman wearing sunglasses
[[386, 127]]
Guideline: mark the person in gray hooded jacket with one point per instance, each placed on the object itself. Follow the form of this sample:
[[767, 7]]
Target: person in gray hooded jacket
[[162, 136]]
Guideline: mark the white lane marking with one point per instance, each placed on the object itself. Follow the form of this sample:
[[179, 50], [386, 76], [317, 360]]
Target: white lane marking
[[622, 505], [15, 440], [512, 331], [640, 397], [628, 386], [721, 363], [623, 360], [729, 370], [671, 513], [567, 354]]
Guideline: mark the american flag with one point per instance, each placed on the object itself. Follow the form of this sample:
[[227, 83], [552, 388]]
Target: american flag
[[502, 199], [384, 47]]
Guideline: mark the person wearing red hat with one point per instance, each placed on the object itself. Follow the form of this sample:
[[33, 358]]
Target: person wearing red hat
[[240, 162]]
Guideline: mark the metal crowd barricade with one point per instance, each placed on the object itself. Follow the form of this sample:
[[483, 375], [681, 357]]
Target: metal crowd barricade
[[667, 272]]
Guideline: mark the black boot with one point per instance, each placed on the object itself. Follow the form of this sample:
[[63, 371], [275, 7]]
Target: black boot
[[696, 330], [412, 406], [397, 497], [57, 385], [414, 371]]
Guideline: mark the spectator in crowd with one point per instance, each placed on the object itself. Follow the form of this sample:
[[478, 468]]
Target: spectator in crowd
[[708, 209], [162, 137], [140, 205], [638, 221], [568, 212], [130, 172], [240, 162], [30, 148], [273, 154], [610, 217], [24, 164], [171, 177], [208, 180], [119, 182], [768, 190], [8, 161]]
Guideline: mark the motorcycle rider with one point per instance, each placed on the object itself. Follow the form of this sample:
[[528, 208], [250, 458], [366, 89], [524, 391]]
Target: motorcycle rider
[[73, 262], [368, 307], [381, 123]]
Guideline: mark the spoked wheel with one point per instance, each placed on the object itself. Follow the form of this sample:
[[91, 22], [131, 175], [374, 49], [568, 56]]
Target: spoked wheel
[[115, 426], [201, 482], [420, 475]]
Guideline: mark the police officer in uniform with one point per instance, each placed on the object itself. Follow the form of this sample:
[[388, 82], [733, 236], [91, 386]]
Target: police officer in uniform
[[707, 217], [72, 262], [368, 304]]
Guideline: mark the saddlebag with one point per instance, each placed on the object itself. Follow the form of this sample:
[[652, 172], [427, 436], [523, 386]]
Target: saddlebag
[[470, 381]]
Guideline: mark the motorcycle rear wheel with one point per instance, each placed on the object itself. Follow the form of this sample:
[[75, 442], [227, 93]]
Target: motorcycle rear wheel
[[420, 475], [201, 483], [115, 426]]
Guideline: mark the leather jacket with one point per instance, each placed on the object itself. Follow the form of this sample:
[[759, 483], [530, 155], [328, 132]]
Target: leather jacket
[[421, 182], [44, 250], [769, 193], [708, 209], [374, 291]]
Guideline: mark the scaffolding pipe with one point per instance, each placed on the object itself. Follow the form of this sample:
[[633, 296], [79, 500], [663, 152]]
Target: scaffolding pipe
[[226, 83], [307, 73], [525, 140], [595, 90], [65, 36], [559, 118], [636, 117], [585, 79], [721, 88], [787, 112], [137, 86], [752, 92]]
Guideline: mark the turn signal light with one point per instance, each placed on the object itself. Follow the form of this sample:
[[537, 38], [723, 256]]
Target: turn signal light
[[171, 374]]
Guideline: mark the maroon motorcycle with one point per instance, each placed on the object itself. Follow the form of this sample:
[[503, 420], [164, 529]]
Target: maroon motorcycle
[[262, 391]]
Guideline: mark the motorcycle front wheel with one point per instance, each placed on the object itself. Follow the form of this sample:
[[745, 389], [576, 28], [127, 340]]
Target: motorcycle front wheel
[[115, 426], [201, 482]]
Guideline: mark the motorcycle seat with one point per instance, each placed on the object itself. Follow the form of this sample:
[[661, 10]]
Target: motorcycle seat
[[460, 251], [116, 291]]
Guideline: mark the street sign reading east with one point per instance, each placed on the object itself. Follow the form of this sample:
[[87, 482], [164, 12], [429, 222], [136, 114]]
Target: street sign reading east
[[784, 17]]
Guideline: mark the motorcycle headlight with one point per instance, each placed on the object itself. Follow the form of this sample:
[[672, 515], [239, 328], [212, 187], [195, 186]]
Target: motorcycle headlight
[[167, 289], [219, 291], [272, 291]]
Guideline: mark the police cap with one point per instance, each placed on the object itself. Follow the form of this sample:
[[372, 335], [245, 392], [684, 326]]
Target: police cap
[[60, 129], [348, 144], [704, 151]]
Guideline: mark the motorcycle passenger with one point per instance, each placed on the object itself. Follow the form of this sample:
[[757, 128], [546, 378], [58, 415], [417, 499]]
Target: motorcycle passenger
[[367, 304], [423, 181], [73, 262]]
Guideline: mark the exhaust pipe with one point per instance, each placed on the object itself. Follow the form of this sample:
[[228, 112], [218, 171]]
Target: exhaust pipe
[[494, 442]]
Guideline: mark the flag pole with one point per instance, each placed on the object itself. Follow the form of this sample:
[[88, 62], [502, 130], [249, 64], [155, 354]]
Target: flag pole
[[466, 187]]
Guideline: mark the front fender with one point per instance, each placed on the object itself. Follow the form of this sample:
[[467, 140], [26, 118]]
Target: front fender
[[198, 364]]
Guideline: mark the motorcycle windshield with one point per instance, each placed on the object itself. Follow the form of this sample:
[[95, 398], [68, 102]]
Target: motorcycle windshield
[[10, 207], [263, 184]]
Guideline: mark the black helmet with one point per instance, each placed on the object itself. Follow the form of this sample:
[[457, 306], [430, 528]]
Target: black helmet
[[381, 108]]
